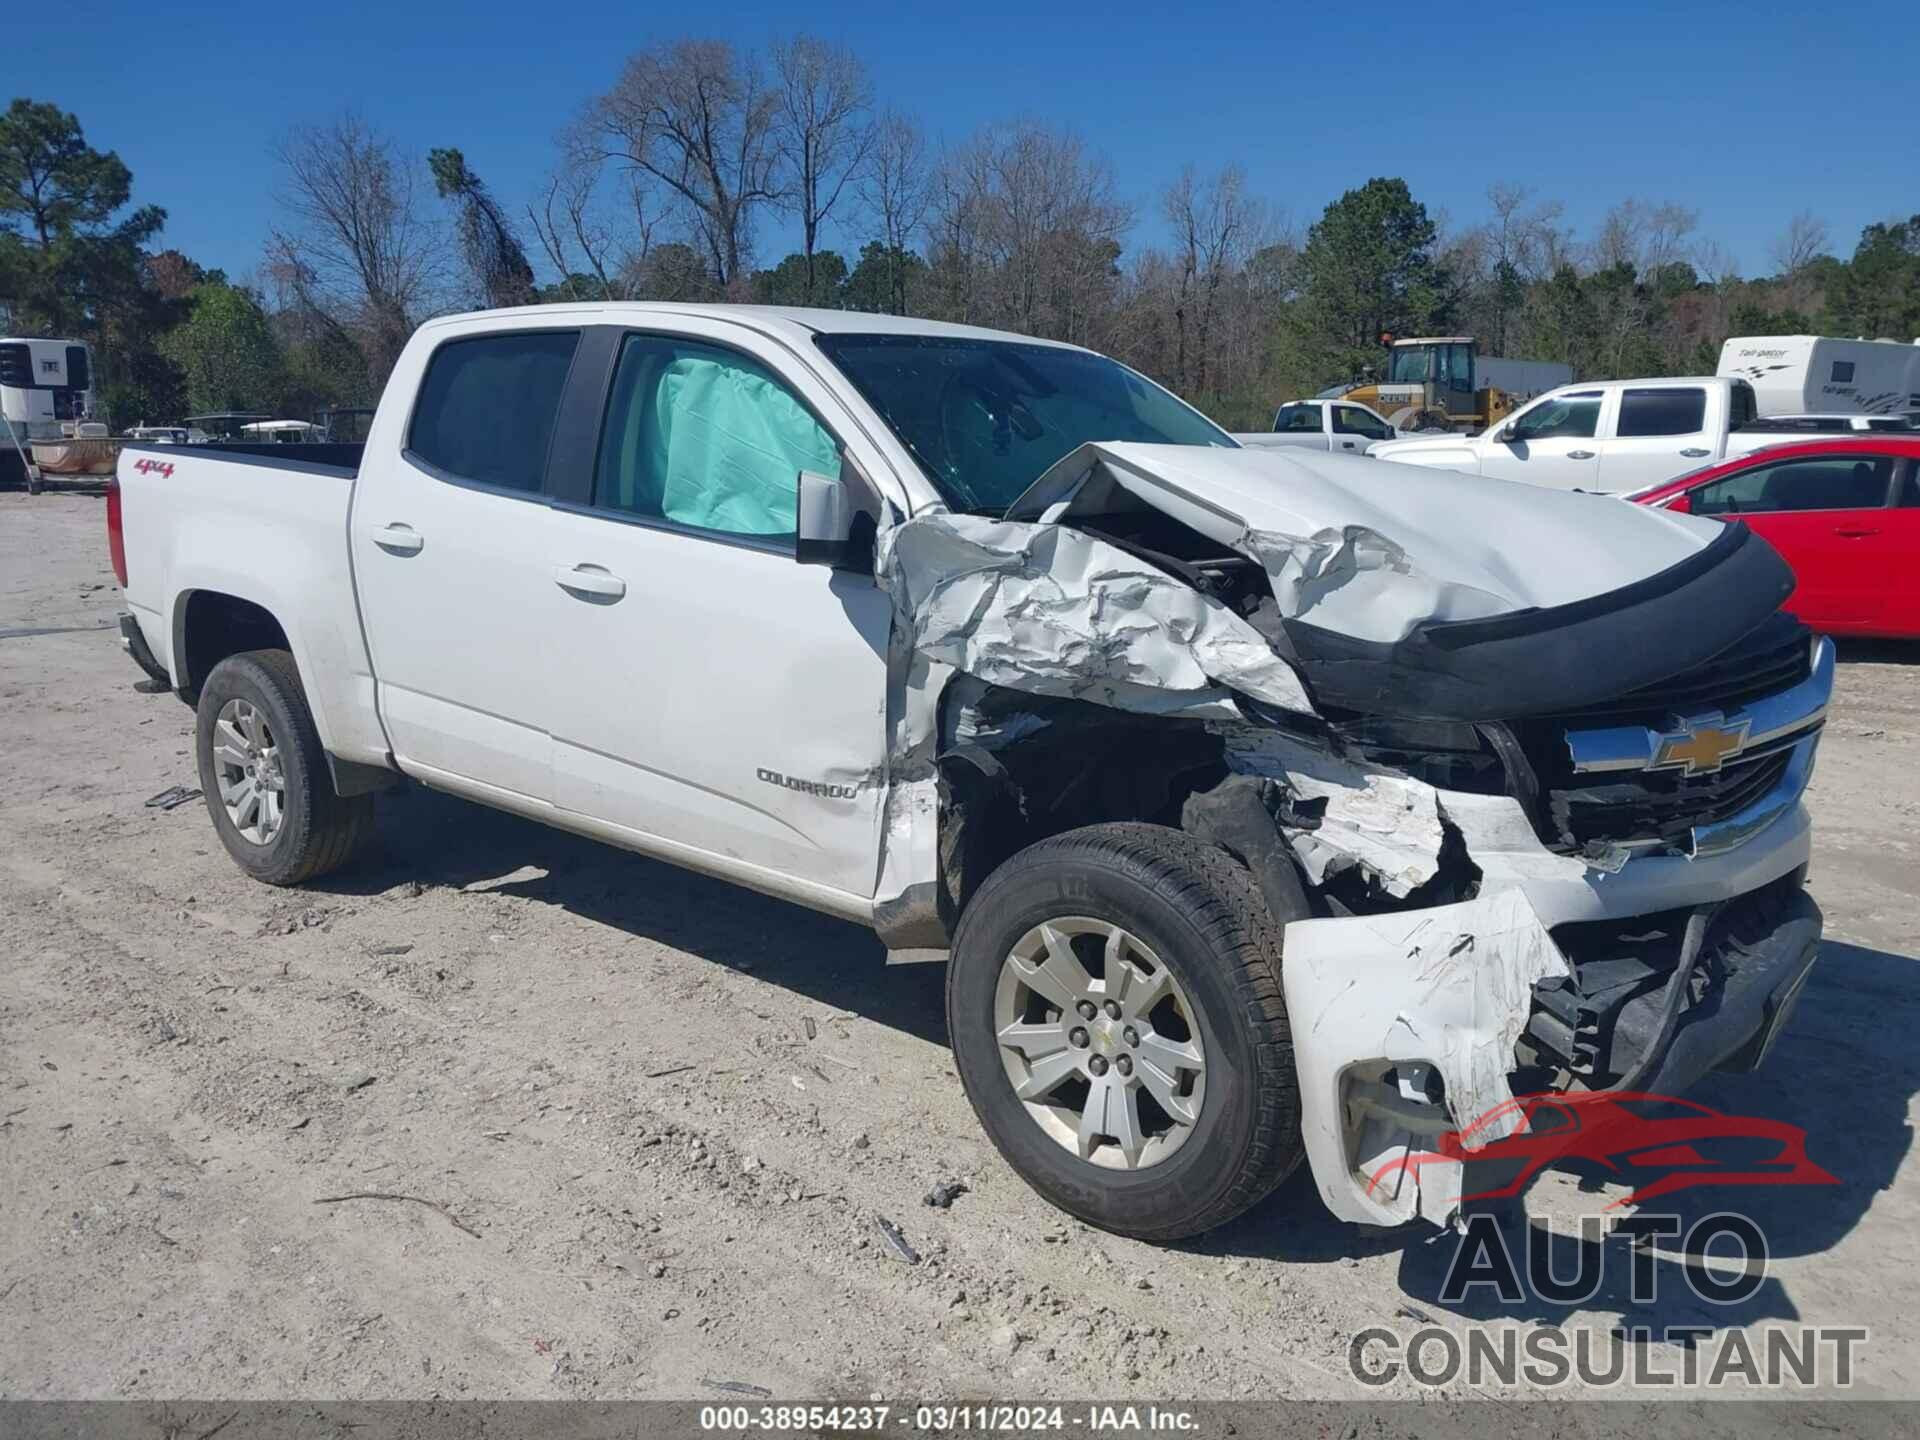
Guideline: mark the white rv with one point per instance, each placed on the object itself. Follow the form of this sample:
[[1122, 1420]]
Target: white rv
[[1811, 374], [46, 395], [44, 383]]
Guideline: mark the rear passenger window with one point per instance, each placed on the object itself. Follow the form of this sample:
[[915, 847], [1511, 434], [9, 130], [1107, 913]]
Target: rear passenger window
[[1662, 412], [1830, 483], [1295, 418], [487, 405], [706, 437]]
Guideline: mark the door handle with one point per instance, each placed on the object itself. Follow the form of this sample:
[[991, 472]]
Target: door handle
[[1346, 444], [1856, 534], [589, 582], [397, 539], [1579, 454], [1694, 452]]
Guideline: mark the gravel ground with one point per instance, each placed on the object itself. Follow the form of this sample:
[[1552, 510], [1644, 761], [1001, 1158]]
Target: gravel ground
[[655, 1121]]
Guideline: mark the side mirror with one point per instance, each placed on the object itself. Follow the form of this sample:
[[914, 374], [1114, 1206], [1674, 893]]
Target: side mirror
[[1507, 433], [826, 525]]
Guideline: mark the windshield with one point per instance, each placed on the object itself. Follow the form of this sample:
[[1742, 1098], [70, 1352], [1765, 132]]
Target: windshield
[[986, 418], [1408, 365]]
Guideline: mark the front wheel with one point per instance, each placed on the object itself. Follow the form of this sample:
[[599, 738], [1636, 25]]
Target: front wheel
[[1114, 1003], [265, 774]]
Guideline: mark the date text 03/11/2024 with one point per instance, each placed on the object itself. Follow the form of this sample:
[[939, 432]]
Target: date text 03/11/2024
[[978, 1418]]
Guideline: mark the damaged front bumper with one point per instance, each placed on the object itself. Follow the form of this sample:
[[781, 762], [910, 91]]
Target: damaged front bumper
[[1409, 1027]]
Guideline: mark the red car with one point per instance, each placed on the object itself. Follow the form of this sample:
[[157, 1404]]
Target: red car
[[1845, 512], [1659, 1143]]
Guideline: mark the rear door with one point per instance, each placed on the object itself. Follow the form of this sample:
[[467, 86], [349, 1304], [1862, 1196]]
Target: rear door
[[1829, 516], [1658, 432], [449, 539], [1552, 442], [707, 689]]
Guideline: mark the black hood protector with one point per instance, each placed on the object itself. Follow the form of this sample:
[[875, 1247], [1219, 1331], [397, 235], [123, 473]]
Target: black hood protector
[[1558, 659]]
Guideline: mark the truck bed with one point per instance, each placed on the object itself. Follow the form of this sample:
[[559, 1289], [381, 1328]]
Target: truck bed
[[342, 458], [265, 526]]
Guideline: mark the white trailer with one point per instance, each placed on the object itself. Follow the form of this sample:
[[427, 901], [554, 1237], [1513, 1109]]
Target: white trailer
[[1812, 374], [46, 394]]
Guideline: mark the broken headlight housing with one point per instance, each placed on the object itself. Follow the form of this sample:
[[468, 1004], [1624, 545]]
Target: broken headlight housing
[[1446, 754]]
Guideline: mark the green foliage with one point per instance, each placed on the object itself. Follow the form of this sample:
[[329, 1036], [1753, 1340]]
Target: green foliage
[[1368, 267], [889, 280], [63, 260], [227, 352], [1878, 295], [788, 283]]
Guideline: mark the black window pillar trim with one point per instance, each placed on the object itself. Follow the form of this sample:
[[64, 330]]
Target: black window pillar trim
[[574, 449]]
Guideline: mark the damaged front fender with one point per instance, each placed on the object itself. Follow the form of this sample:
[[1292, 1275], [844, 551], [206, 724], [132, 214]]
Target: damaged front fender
[[1379, 1001]]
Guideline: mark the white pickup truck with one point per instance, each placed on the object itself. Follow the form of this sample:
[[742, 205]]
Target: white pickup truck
[[1611, 436], [1331, 425], [1263, 806]]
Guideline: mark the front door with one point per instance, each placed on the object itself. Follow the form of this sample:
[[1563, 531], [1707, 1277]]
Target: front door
[[1550, 443], [707, 688], [448, 541], [1828, 516]]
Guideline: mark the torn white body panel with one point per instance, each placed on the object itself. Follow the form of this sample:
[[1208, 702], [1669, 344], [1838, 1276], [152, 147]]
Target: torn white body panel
[[1450, 988], [1370, 550], [1058, 612], [1386, 824]]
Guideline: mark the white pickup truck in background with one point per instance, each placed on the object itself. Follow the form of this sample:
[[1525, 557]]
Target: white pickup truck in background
[[1331, 425], [995, 646], [1612, 436]]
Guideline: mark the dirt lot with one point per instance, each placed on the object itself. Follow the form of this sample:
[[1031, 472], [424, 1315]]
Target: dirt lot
[[656, 1118]]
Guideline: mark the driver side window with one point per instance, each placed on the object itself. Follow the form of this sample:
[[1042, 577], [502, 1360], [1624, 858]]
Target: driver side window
[[1564, 417], [1838, 483], [708, 438], [1352, 420]]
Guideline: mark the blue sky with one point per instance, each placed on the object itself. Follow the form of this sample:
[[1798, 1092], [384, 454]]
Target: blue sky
[[1746, 113]]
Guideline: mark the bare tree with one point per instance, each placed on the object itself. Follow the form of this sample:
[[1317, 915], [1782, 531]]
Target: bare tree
[[824, 95], [595, 242], [360, 251], [1646, 237], [1523, 246], [1216, 225], [895, 189], [698, 117], [1027, 232], [1804, 241]]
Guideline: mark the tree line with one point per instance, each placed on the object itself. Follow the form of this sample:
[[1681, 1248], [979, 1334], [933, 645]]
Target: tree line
[[665, 187]]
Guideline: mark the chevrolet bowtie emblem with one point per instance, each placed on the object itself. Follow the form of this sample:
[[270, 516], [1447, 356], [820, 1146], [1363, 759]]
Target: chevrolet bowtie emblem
[[1701, 745]]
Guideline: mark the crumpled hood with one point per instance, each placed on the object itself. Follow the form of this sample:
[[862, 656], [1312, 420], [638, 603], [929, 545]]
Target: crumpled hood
[[1371, 550]]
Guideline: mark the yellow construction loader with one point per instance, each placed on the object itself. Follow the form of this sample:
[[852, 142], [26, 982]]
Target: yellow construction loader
[[1441, 382]]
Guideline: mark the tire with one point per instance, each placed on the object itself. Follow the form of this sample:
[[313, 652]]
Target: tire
[[317, 830], [1183, 904]]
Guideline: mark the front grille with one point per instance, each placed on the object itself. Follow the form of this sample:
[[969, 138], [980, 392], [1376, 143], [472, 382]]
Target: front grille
[[1658, 804], [1587, 812]]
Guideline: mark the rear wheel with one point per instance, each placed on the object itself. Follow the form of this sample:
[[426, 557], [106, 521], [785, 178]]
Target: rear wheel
[[265, 774], [1114, 1004]]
